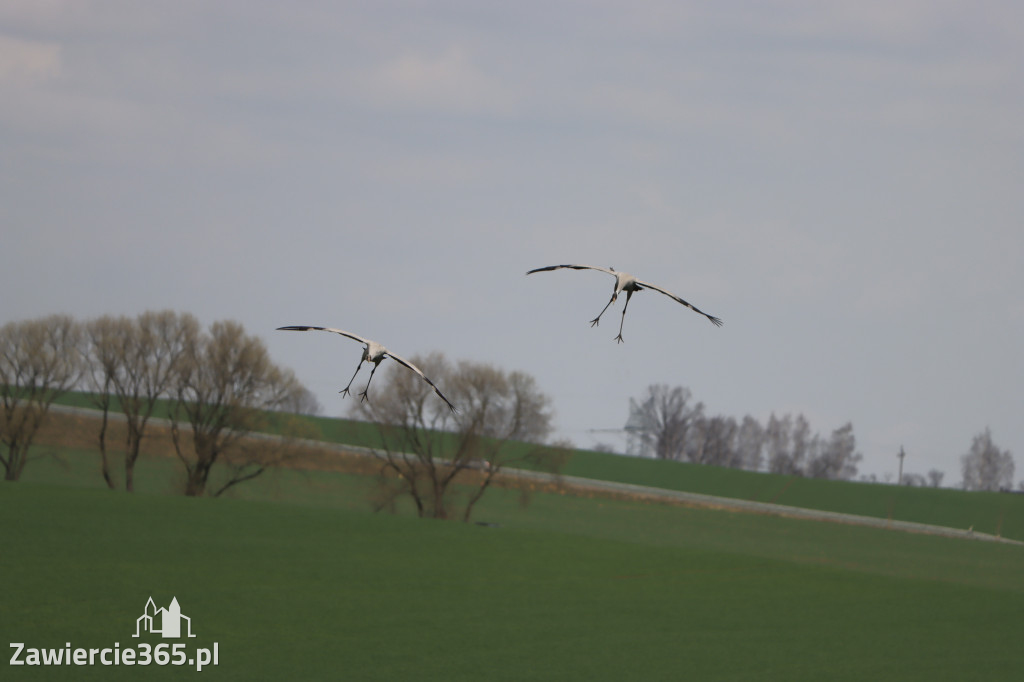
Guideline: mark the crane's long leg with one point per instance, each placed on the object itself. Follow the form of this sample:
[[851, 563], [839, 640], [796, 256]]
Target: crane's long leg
[[597, 319], [345, 391], [629, 295], [362, 394]]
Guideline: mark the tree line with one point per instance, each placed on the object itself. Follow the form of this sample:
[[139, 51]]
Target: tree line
[[665, 423], [216, 384]]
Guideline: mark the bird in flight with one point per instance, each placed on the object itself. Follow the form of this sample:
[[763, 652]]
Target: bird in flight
[[630, 284], [372, 352]]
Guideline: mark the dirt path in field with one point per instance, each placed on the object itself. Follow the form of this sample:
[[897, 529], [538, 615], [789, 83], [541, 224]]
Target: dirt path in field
[[321, 455], [752, 507]]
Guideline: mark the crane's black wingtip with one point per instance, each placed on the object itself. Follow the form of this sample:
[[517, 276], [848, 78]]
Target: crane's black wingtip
[[295, 328], [549, 268], [715, 321]]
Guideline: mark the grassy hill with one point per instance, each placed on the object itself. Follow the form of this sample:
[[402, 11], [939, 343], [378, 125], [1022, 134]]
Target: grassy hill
[[994, 513], [565, 589], [291, 575]]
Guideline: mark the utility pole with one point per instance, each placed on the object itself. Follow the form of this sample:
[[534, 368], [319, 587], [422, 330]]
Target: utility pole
[[899, 481]]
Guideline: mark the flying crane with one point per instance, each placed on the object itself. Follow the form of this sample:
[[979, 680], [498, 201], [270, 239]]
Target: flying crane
[[630, 284], [372, 352]]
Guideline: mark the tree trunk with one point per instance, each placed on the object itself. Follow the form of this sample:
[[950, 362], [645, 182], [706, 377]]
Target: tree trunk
[[479, 493], [17, 453], [196, 484], [131, 455], [104, 463], [129, 477]]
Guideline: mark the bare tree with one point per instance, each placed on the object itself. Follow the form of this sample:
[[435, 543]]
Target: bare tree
[[935, 477], [306, 402], [985, 466], [778, 438], [40, 360], [750, 443], [696, 437], [443, 459], [837, 458], [154, 345], [803, 445], [658, 426], [790, 445], [718, 439], [132, 361], [104, 342], [223, 384]]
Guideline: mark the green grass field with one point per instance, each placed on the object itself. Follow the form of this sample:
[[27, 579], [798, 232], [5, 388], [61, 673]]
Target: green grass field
[[294, 577], [994, 513]]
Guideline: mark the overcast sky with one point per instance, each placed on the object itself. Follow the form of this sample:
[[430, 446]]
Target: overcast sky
[[841, 182]]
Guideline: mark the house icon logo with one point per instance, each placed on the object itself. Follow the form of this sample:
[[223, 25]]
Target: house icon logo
[[166, 622]]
